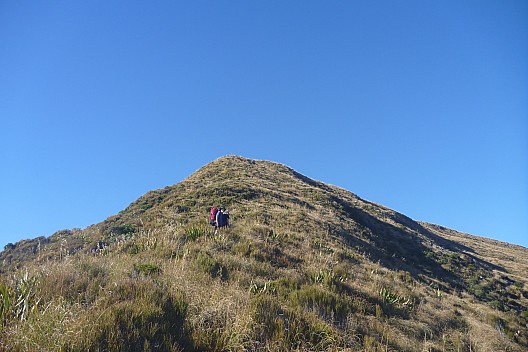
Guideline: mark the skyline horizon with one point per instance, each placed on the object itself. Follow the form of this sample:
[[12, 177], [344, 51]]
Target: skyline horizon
[[417, 106], [2, 245]]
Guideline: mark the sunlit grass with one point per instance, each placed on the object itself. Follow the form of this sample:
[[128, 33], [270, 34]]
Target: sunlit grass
[[305, 267]]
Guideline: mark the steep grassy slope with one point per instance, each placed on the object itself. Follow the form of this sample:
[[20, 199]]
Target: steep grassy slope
[[305, 266]]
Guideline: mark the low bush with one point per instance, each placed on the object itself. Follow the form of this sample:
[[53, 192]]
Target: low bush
[[193, 232], [138, 316], [125, 229], [395, 303], [216, 329], [330, 306], [207, 264], [80, 284], [146, 269], [19, 300], [332, 279], [281, 287], [288, 328]]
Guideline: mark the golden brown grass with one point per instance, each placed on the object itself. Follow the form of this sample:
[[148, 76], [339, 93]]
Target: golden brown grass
[[306, 266]]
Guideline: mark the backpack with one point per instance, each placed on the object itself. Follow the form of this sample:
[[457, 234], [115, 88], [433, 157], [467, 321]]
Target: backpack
[[220, 219], [212, 214]]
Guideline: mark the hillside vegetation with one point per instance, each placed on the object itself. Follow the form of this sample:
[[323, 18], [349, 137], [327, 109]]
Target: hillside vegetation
[[305, 266]]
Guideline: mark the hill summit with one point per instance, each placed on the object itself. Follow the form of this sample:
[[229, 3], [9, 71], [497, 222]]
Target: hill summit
[[304, 266]]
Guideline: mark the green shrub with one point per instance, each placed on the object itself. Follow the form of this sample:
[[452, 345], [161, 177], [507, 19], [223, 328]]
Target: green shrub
[[332, 279], [146, 269], [267, 287], [261, 252], [193, 232], [496, 304], [328, 305], [394, 298], [20, 300], [119, 233], [5, 303], [138, 316], [498, 323], [209, 265], [242, 248], [480, 291], [348, 255], [131, 248], [92, 269], [124, 229], [9, 246], [288, 328], [145, 206], [281, 287], [394, 303]]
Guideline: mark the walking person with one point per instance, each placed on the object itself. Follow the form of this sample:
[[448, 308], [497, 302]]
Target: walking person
[[220, 218], [212, 218], [227, 221]]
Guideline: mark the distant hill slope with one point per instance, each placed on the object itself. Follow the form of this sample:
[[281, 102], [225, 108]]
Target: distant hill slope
[[305, 266]]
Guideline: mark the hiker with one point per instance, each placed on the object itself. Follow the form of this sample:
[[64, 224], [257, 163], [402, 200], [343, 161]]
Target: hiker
[[227, 221], [212, 216], [220, 218]]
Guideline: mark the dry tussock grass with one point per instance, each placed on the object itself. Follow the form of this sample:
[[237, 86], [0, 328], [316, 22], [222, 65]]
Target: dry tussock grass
[[306, 266]]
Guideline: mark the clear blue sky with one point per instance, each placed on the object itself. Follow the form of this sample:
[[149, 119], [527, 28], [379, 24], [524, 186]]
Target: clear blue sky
[[418, 105]]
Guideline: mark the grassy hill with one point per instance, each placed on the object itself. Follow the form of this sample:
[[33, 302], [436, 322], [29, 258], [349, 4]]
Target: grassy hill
[[305, 266]]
